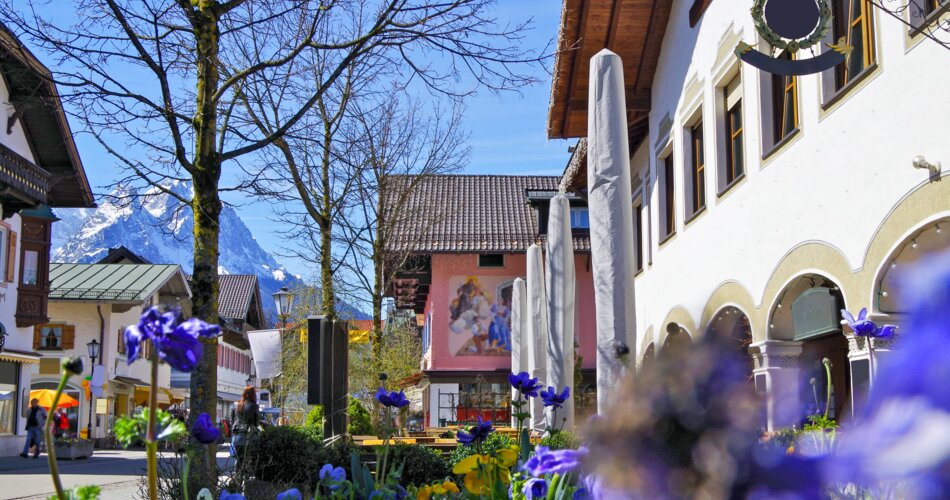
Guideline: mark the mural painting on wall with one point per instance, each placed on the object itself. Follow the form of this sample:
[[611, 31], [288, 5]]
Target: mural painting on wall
[[480, 315]]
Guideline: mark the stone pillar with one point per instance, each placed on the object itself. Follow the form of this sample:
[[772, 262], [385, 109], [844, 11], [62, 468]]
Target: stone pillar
[[776, 375], [860, 365]]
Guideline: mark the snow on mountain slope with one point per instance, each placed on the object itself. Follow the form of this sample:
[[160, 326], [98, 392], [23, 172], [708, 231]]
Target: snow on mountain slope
[[157, 228]]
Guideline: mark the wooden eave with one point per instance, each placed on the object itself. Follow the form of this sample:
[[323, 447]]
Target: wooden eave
[[633, 29]]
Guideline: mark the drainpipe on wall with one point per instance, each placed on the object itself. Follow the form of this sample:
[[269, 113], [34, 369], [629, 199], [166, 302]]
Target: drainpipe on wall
[[102, 345]]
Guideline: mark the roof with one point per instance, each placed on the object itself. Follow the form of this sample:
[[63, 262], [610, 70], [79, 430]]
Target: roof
[[238, 297], [122, 255], [114, 282], [468, 214], [634, 29], [33, 94]]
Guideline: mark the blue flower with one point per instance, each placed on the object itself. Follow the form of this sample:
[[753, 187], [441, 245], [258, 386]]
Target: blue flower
[[545, 461], [535, 488], [476, 434], [524, 384], [204, 430], [580, 494], [903, 435], [176, 342], [552, 398], [332, 477], [231, 496], [391, 399], [864, 327], [291, 494]]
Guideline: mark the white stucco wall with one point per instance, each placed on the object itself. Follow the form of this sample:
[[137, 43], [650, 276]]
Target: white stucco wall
[[845, 172]]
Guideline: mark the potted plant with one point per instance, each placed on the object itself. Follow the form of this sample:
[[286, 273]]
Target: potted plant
[[71, 448]]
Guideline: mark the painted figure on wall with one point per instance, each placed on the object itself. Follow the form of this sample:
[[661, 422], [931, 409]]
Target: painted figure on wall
[[480, 318]]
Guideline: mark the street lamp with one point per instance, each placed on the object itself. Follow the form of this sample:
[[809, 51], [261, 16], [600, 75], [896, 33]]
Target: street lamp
[[250, 381], [93, 350], [284, 300]]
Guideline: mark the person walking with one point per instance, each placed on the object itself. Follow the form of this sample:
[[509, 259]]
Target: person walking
[[35, 423], [246, 423]]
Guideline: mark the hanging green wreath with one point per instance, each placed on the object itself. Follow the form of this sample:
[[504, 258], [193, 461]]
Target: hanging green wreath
[[792, 46]]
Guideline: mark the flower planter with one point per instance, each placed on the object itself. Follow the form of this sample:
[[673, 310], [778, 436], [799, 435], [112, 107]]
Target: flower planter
[[73, 450]]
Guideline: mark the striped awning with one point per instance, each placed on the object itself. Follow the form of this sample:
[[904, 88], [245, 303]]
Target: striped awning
[[29, 358]]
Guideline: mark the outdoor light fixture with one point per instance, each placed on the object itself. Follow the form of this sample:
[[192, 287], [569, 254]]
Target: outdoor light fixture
[[914, 244], [922, 163], [938, 229], [250, 381], [284, 300], [93, 350]]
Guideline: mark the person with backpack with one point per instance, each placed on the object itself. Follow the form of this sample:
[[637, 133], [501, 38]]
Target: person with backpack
[[35, 423]]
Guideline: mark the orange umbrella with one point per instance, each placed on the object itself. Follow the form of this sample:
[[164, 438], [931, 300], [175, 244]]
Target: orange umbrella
[[45, 397]]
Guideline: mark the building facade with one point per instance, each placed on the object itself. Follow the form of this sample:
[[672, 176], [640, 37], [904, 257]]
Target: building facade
[[764, 204], [457, 265], [39, 168]]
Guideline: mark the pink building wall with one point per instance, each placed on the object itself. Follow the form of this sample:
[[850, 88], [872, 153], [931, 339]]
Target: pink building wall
[[445, 267]]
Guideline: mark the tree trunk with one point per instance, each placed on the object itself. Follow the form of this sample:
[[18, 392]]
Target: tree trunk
[[206, 206], [328, 299]]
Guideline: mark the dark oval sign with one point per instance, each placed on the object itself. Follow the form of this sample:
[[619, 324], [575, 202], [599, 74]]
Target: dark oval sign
[[792, 19]]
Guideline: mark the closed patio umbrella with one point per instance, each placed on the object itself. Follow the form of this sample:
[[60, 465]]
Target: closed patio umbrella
[[519, 318], [536, 338], [45, 397], [560, 291], [611, 221]]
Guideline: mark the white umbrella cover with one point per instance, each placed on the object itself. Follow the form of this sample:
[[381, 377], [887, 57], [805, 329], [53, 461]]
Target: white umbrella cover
[[536, 338], [519, 319], [611, 220], [560, 291]]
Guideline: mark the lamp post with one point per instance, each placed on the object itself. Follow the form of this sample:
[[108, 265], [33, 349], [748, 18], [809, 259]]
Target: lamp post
[[284, 300], [93, 350]]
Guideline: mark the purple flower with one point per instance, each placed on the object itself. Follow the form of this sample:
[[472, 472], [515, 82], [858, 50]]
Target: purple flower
[[391, 399], [552, 398], [524, 384], [176, 342], [231, 496], [291, 494], [535, 488], [864, 327], [580, 494], [903, 435], [477, 433], [332, 476], [204, 430], [545, 461]]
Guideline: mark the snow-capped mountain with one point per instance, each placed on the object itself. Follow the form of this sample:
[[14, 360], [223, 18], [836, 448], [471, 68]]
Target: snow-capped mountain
[[157, 228]]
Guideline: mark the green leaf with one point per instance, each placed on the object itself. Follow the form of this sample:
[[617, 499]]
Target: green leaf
[[88, 492], [129, 430]]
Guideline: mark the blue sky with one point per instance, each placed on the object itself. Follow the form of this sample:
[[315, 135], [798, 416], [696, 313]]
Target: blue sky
[[507, 132]]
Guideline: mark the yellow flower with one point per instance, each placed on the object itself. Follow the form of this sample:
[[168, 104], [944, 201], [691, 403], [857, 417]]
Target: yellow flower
[[450, 487], [424, 493], [506, 457], [470, 463]]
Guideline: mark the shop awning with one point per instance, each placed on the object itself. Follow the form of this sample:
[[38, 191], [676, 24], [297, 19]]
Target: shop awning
[[26, 357], [142, 395], [226, 396], [129, 381], [175, 396]]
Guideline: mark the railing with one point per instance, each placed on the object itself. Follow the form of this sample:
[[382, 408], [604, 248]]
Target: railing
[[22, 175]]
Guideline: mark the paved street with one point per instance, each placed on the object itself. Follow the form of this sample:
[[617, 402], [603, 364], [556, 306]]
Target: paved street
[[116, 471]]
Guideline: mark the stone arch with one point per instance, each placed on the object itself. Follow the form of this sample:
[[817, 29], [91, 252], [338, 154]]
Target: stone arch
[[730, 293], [678, 316], [816, 258]]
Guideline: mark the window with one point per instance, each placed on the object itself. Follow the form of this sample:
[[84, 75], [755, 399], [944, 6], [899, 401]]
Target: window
[[668, 193], [784, 104], [735, 163], [120, 341], [496, 260], [54, 336], [638, 234], [922, 10], [697, 169], [580, 218], [9, 375], [31, 259], [9, 258], [852, 20]]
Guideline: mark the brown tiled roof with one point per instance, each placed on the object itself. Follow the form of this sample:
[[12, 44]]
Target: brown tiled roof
[[467, 214], [234, 295]]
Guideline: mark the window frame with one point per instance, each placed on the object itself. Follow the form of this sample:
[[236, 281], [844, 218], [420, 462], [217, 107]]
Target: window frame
[[638, 235], [697, 168], [669, 197], [842, 76], [585, 210], [504, 261], [918, 24], [783, 89]]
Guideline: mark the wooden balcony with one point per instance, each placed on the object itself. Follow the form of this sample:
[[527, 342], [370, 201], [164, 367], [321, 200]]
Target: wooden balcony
[[22, 184]]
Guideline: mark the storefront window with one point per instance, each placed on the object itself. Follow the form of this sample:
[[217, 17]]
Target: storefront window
[[8, 396]]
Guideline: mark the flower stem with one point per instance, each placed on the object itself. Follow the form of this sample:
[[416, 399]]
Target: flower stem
[[48, 437], [151, 444], [829, 385], [184, 478]]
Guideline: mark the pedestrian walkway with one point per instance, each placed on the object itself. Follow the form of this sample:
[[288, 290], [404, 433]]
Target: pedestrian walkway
[[117, 472]]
